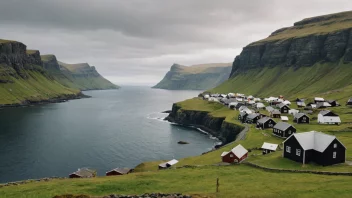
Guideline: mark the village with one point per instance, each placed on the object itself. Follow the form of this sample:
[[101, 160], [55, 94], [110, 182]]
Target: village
[[278, 115]]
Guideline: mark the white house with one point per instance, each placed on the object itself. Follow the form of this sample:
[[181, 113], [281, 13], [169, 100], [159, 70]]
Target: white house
[[293, 111], [319, 99], [168, 164], [268, 147], [286, 102], [259, 105], [245, 109], [328, 117]]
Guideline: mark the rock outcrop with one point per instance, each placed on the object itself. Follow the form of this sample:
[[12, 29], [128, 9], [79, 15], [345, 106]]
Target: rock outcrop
[[216, 126], [321, 39], [196, 77]]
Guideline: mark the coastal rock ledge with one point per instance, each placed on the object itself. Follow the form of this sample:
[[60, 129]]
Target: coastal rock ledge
[[216, 126]]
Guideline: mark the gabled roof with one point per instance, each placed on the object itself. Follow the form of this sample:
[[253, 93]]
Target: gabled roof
[[170, 163], [349, 100], [239, 151], [243, 113], [84, 172], [282, 126], [281, 105], [120, 170], [299, 115], [264, 120], [260, 105], [252, 116], [269, 108], [314, 140], [328, 113], [323, 104], [301, 104], [284, 118], [224, 153], [275, 111], [270, 146], [330, 119], [319, 99]]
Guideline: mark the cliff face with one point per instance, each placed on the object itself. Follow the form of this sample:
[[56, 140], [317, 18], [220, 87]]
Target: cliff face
[[325, 39], [218, 127], [79, 76], [196, 77]]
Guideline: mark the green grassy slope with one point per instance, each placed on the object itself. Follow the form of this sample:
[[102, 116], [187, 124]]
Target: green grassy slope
[[196, 77], [301, 82]]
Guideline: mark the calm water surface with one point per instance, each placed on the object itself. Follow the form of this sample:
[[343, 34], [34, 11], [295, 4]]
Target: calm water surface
[[115, 128]]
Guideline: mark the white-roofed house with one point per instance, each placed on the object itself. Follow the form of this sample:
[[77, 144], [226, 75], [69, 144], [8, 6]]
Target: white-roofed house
[[286, 102], [328, 117], [293, 111], [236, 155], [284, 118], [319, 99], [168, 164], [259, 105], [268, 148], [315, 147]]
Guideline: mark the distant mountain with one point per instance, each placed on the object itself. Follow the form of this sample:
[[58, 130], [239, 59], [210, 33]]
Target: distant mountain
[[79, 76], [195, 77], [312, 57]]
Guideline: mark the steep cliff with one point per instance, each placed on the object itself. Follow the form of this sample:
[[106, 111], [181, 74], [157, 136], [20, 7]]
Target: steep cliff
[[313, 56], [23, 80], [196, 77], [79, 76], [217, 126]]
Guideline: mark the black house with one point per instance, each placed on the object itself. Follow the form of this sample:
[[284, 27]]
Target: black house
[[333, 103], [301, 118], [283, 129], [265, 123], [252, 118], [275, 113], [315, 147], [283, 108], [242, 116], [349, 102]]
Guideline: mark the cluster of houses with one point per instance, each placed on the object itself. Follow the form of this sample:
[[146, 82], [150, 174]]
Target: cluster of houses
[[304, 147], [88, 172]]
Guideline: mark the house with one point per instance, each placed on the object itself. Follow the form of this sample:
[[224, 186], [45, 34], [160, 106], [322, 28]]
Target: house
[[315, 147], [268, 148], [245, 109], [118, 171], [252, 118], [275, 113], [168, 164], [301, 118], [213, 99], [238, 105], [300, 100], [242, 116], [83, 173], [283, 108], [269, 109], [284, 118], [318, 99], [349, 102], [265, 123], [231, 95], [251, 102], [206, 97], [293, 111], [311, 106], [283, 129], [321, 105], [333, 103], [232, 105], [328, 117], [257, 99], [259, 105], [236, 155], [250, 97], [301, 104], [286, 102]]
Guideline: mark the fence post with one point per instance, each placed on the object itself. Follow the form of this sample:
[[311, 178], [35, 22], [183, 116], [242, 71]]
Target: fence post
[[217, 185]]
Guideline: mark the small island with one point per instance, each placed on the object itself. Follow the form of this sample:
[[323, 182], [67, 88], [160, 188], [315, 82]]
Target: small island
[[182, 142]]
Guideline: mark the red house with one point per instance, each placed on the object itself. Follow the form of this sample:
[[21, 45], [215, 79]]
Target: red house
[[236, 155]]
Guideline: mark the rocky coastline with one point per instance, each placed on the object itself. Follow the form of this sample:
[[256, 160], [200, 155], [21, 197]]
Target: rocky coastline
[[225, 131]]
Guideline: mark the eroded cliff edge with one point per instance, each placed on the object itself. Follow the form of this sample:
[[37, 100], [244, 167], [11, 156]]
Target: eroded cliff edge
[[216, 126]]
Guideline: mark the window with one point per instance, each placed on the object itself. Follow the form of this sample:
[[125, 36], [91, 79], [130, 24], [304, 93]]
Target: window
[[298, 152], [231, 155], [289, 132], [335, 145], [334, 155], [288, 149]]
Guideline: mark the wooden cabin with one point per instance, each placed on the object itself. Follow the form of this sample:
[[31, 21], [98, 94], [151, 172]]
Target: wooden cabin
[[268, 147], [328, 117], [283, 108], [265, 123], [252, 118], [118, 171], [83, 173], [275, 113], [315, 147], [283, 130], [301, 118], [236, 155]]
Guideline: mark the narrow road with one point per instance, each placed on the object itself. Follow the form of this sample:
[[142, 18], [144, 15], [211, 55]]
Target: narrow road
[[243, 133]]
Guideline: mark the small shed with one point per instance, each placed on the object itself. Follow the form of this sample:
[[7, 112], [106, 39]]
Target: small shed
[[83, 173], [293, 111], [328, 117], [333, 103], [275, 113], [168, 164], [301, 104], [236, 155], [284, 118], [283, 108], [319, 99], [349, 102], [269, 108], [321, 105], [118, 171], [283, 130], [301, 118], [259, 105], [268, 148], [265, 123]]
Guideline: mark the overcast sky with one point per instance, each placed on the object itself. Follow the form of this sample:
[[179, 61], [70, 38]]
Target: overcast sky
[[136, 41]]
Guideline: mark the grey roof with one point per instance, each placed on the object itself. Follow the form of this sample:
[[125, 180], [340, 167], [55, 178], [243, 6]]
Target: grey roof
[[281, 105], [243, 113], [275, 111], [299, 115], [84, 172], [121, 170], [264, 120], [301, 104], [349, 100], [282, 126], [252, 116], [325, 112], [269, 108], [313, 140]]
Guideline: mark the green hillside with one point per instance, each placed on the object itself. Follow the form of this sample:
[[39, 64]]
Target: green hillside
[[79, 76], [195, 77]]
